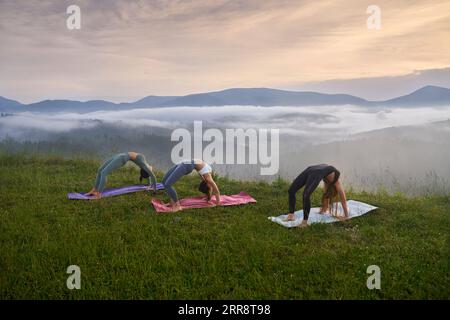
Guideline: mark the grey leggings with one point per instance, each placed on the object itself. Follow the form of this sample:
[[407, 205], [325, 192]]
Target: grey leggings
[[174, 174], [118, 161], [110, 165]]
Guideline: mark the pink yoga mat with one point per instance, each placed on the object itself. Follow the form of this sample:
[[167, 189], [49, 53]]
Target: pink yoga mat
[[200, 202]]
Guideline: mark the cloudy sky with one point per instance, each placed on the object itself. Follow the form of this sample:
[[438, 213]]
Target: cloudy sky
[[129, 49]]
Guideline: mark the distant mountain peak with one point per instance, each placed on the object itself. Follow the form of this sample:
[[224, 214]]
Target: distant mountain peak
[[425, 96], [430, 87], [8, 103]]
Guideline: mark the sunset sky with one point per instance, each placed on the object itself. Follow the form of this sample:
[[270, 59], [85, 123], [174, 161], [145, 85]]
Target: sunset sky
[[129, 49]]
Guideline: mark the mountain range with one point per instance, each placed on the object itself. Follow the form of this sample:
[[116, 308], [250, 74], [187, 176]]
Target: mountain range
[[426, 96]]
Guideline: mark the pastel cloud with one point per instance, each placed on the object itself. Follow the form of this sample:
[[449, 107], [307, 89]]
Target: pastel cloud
[[129, 49]]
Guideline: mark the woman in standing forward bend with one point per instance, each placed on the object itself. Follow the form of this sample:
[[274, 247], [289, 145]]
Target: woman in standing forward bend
[[310, 179], [208, 186], [117, 161]]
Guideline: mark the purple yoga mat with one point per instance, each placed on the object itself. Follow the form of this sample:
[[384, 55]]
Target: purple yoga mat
[[113, 192]]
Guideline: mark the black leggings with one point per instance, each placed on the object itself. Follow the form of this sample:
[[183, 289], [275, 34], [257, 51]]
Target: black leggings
[[310, 179]]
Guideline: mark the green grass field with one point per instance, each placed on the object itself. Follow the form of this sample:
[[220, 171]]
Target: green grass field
[[127, 251]]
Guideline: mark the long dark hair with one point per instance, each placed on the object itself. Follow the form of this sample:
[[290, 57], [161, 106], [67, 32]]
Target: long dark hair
[[144, 175], [203, 186], [331, 193]]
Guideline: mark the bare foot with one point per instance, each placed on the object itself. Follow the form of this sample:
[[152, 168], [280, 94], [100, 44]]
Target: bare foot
[[97, 195], [176, 208], [290, 217], [90, 193]]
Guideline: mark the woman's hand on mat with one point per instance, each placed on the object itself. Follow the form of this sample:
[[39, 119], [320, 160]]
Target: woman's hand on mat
[[216, 201], [303, 224]]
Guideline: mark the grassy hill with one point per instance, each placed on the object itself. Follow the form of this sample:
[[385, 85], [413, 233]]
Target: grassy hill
[[127, 251]]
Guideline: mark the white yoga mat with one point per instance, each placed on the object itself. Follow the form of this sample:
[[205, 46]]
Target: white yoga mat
[[355, 208]]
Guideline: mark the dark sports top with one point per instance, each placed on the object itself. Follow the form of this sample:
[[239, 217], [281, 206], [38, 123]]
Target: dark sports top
[[310, 179]]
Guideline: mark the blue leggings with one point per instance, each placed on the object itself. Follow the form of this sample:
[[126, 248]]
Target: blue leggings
[[173, 175], [110, 165]]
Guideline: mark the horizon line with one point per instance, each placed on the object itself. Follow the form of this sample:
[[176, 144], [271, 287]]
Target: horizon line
[[221, 90]]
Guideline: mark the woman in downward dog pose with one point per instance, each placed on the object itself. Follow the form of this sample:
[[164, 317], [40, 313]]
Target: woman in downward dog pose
[[310, 179], [117, 161], [185, 167]]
